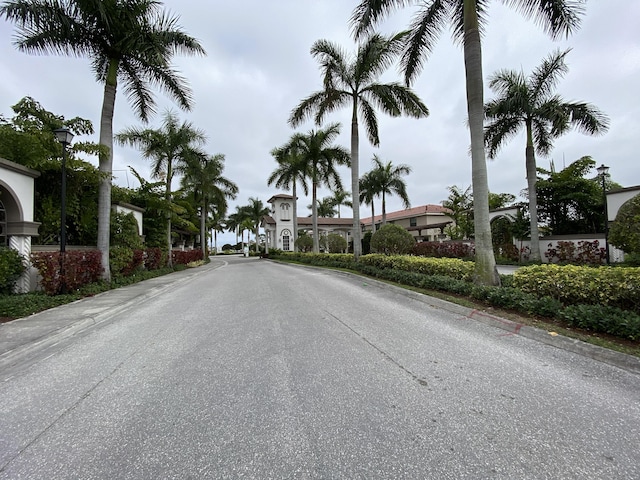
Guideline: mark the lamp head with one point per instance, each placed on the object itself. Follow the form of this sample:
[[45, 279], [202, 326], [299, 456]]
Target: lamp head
[[603, 170], [64, 136]]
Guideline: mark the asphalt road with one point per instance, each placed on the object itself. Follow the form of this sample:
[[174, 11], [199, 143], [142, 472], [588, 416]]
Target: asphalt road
[[262, 370]]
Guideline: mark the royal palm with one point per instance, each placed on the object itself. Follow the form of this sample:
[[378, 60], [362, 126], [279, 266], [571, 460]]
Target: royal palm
[[388, 181], [203, 176], [467, 18], [168, 147], [321, 158], [128, 41], [530, 103], [354, 82]]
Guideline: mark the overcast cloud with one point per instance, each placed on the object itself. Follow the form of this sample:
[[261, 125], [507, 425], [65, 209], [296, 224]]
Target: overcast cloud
[[258, 68]]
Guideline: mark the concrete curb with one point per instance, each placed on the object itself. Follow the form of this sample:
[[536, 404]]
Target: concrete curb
[[595, 352]]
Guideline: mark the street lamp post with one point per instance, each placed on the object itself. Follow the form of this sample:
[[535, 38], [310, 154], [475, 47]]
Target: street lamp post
[[64, 136], [603, 170]]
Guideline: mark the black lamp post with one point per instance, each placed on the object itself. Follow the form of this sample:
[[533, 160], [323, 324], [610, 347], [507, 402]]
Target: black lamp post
[[603, 170], [64, 136]]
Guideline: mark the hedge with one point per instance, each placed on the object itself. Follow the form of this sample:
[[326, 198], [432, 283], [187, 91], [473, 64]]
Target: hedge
[[573, 285], [451, 267]]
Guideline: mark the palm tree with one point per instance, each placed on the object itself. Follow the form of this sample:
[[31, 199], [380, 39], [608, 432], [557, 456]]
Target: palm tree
[[321, 157], [202, 175], [326, 208], [341, 197], [467, 17], [368, 191], [167, 147], [254, 211], [132, 41], [233, 223], [532, 104], [291, 171], [353, 82], [389, 181]]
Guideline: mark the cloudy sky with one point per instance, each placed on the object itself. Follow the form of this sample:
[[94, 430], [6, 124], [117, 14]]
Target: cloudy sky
[[258, 68]]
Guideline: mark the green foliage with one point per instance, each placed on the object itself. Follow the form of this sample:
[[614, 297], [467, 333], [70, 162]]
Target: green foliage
[[366, 243], [124, 231], [392, 240], [80, 268], [572, 285], [336, 243], [304, 243], [450, 267], [601, 318], [444, 249], [11, 267], [460, 204], [625, 231], [120, 257]]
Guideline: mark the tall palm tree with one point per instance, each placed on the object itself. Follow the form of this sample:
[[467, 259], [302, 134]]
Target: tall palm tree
[[202, 175], [389, 181], [341, 197], [321, 157], [132, 41], [170, 146], [531, 103], [468, 17], [233, 223], [254, 211], [369, 189], [292, 171], [354, 82], [326, 208]]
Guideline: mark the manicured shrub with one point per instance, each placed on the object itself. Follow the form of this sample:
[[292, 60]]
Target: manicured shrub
[[304, 243], [336, 243], [11, 267], [184, 257], [451, 267], [573, 285], [582, 253], [605, 319], [392, 240], [154, 258], [120, 257], [625, 231], [81, 267]]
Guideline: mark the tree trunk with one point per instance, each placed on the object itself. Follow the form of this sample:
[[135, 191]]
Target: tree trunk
[[355, 181], [533, 197], [295, 218], [203, 228], [167, 197], [486, 272], [314, 216], [105, 167], [384, 209]]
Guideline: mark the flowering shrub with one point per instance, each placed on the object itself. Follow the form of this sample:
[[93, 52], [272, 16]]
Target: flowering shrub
[[444, 249], [80, 268], [182, 258], [584, 253]]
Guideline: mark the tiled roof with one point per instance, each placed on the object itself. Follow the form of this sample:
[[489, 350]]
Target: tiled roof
[[410, 212], [283, 196]]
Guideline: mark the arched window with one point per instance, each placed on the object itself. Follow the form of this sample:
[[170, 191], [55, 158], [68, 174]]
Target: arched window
[[286, 240], [3, 226], [284, 212]]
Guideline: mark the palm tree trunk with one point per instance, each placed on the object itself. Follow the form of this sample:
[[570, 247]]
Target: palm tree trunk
[[203, 228], [384, 209], [486, 272], [167, 197], [295, 217], [314, 217], [355, 182], [105, 167], [533, 199]]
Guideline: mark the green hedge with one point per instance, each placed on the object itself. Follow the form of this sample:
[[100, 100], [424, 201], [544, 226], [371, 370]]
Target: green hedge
[[451, 267], [576, 285]]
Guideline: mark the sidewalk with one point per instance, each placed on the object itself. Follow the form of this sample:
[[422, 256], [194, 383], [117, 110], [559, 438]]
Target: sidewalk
[[51, 326]]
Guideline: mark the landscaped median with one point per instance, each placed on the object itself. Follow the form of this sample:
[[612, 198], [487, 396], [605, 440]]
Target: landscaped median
[[597, 299]]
